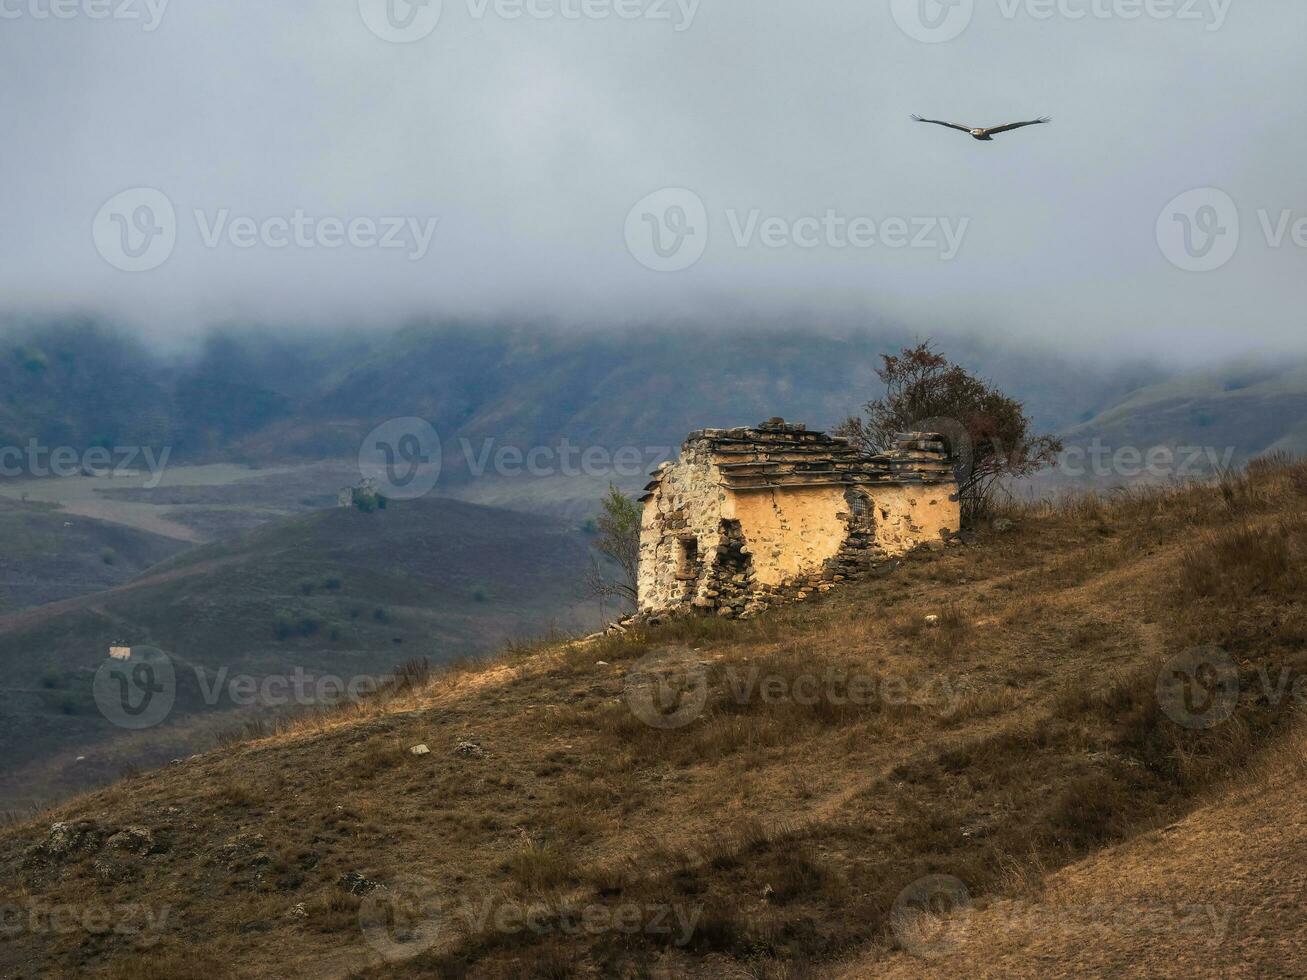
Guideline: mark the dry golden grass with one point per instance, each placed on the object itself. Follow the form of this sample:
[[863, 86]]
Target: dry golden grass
[[1014, 733]]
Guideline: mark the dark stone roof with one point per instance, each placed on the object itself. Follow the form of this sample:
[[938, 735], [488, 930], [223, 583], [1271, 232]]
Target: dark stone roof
[[775, 455]]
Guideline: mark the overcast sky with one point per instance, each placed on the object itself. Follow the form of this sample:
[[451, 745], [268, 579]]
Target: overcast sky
[[530, 141]]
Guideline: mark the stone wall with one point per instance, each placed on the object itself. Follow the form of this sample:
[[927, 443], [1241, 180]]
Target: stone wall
[[746, 518], [909, 515], [789, 532], [686, 507]]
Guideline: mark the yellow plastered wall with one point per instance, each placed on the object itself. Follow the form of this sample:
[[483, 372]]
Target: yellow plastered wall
[[908, 515], [789, 532]]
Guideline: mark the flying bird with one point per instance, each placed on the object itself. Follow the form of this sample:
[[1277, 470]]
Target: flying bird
[[985, 134]]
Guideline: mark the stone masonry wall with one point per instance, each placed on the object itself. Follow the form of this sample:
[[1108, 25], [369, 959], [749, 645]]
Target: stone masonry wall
[[754, 546], [686, 506]]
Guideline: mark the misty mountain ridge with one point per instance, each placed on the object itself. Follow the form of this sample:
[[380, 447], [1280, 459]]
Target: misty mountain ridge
[[259, 396]]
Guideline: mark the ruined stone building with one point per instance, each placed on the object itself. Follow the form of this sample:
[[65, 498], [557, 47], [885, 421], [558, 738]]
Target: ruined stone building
[[746, 517]]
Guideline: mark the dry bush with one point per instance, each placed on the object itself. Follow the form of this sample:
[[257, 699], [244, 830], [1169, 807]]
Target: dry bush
[[229, 790], [539, 868], [1240, 561], [987, 703], [1269, 464], [377, 756], [796, 873], [411, 675], [334, 912], [249, 730], [1088, 811]]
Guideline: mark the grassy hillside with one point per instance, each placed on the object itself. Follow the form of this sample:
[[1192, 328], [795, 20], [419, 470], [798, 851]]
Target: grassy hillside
[[46, 555], [336, 592], [1217, 893], [1251, 409], [993, 714]]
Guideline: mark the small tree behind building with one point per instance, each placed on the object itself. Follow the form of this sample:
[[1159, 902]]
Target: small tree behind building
[[991, 431]]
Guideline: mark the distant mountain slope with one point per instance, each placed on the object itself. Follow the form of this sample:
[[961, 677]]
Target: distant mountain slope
[[646, 388], [1253, 410], [46, 555], [270, 395], [337, 592], [77, 383]]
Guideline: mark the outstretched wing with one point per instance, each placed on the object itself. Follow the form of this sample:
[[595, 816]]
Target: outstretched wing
[[1011, 126], [940, 122]]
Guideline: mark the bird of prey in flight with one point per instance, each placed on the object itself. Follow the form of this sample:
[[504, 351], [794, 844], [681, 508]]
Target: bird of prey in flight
[[984, 134]]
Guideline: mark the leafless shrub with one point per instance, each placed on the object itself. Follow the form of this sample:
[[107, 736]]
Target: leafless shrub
[[1240, 560]]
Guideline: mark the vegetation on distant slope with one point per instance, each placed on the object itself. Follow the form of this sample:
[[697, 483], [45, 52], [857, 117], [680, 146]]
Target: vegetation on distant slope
[[47, 555], [337, 592], [276, 394]]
